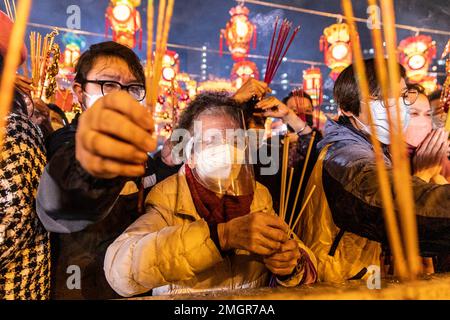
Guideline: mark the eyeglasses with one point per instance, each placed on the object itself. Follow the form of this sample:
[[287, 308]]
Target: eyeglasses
[[137, 91], [409, 97]]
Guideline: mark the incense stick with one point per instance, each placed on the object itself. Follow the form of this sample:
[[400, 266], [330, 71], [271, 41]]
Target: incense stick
[[286, 202], [278, 49], [165, 12], [305, 204], [284, 166], [12, 61], [401, 165], [386, 195], [150, 23], [305, 165]]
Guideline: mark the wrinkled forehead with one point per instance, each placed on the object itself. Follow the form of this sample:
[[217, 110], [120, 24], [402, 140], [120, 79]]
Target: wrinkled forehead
[[209, 125], [111, 68], [219, 120]]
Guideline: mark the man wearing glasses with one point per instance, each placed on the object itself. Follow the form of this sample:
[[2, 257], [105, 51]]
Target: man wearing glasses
[[90, 163], [347, 231]]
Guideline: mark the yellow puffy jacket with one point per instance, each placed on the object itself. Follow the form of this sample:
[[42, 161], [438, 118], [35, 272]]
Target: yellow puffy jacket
[[169, 249], [340, 255]]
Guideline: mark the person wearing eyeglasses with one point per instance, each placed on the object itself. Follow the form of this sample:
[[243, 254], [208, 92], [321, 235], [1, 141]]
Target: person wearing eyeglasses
[[428, 147], [88, 192], [343, 223]]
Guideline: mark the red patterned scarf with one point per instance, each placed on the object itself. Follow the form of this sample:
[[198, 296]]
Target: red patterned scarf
[[212, 208]]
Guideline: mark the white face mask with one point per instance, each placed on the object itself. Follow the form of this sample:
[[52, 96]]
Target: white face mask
[[380, 119], [91, 99], [219, 162]]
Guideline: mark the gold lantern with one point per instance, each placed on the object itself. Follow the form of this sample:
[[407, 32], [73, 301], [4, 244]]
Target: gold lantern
[[416, 54], [335, 44]]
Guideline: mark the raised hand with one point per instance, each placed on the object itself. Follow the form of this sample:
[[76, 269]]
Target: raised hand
[[114, 136], [430, 154], [252, 88]]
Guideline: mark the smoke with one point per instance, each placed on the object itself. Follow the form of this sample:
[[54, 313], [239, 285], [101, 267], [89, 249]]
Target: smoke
[[265, 22]]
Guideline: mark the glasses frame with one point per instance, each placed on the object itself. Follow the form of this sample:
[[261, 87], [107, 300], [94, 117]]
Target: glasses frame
[[404, 95], [122, 87]]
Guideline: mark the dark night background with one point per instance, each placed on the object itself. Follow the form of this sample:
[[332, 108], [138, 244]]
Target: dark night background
[[197, 23]]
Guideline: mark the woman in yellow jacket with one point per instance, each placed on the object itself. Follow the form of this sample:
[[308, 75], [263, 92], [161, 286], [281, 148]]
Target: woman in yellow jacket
[[209, 227]]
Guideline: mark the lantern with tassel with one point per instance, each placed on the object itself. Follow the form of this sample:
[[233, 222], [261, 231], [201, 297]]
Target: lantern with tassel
[[335, 44], [73, 46], [416, 54], [242, 71], [125, 21], [313, 85], [238, 33]]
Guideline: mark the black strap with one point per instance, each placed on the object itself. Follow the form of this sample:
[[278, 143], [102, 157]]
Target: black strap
[[335, 244], [359, 275]]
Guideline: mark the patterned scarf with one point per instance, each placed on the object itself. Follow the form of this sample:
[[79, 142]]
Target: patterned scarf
[[212, 208]]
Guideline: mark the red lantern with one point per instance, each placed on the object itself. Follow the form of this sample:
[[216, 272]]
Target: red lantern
[[312, 85], [125, 21], [242, 71], [74, 44], [238, 33], [416, 54], [64, 99], [170, 66], [335, 43]]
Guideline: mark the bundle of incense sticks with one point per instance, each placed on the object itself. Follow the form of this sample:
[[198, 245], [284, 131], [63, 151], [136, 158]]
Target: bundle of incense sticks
[[444, 103], [285, 190], [12, 60], [298, 96], [154, 63], [40, 54], [402, 183], [10, 6], [302, 178], [279, 48]]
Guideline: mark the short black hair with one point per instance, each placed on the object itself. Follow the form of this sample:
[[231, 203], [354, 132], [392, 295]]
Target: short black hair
[[108, 49], [418, 87], [346, 89], [214, 102], [302, 93]]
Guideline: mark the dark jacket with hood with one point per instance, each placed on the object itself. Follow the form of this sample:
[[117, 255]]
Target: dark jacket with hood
[[85, 215], [352, 190]]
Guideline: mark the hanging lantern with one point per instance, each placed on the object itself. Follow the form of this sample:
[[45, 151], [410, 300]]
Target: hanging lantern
[[335, 44], [416, 54], [238, 33], [313, 85], [73, 46], [125, 21], [170, 66], [242, 71]]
